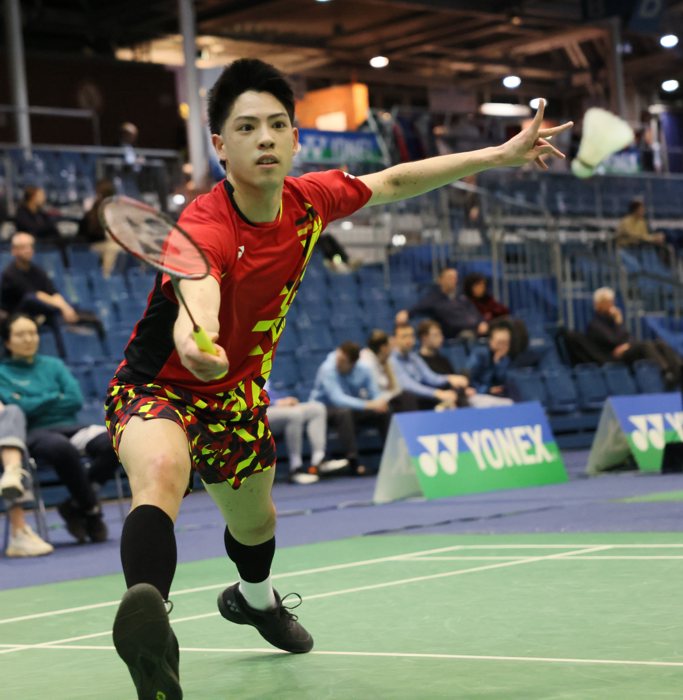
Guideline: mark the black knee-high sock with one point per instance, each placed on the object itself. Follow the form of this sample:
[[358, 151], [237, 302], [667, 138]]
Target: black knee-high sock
[[253, 563], [148, 548]]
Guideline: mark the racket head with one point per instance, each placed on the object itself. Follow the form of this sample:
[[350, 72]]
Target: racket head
[[153, 238]]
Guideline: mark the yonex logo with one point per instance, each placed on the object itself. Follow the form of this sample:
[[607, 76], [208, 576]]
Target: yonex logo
[[240, 252], [651, 428], [520, 445], [160, 695]]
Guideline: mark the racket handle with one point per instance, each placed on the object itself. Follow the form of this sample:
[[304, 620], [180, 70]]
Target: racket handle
[[204, 343]]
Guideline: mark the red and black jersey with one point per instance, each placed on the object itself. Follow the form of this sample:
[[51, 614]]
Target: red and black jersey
[[259, 268]]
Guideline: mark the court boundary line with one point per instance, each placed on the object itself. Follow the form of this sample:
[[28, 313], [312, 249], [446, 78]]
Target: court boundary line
[[397, 655], [338, 567], [329, 594]]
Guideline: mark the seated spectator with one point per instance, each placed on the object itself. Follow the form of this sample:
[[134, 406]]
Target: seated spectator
[[376, 358], [475, 288], [433, 389], [609, 335], [431, 339], [457, 315], [429, 389], [50, 397], [286, 415], [92, 233], [335, 256], [488, 364], [27, 288], [352, 398], [633, 228], [32, 217], [16, 485]]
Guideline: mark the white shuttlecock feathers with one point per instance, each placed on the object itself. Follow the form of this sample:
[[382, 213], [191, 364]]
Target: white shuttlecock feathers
[[603, 134]]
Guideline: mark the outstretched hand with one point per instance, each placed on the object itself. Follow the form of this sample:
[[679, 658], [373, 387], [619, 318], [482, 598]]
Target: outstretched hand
[[531, 144]]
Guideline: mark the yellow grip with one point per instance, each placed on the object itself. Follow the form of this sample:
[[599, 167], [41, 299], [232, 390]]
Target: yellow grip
[[203, 341]]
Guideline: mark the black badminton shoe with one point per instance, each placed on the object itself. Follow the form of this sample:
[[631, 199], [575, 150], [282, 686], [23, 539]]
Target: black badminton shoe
[[279, 626], [145, 641]]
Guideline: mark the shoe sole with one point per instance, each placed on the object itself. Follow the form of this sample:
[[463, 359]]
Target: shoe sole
[[229, 615], [11, 493], [141, 636]]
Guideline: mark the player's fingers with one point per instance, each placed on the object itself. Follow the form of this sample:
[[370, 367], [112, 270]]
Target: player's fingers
[[550, 131], [541, 163], [547, 148], [536, 123]]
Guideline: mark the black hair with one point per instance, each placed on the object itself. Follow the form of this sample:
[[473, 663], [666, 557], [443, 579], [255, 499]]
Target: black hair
[[469, 283], [423, 327], [634, 205], [243, 75], [351, 350], [377, 340], [6, 326]]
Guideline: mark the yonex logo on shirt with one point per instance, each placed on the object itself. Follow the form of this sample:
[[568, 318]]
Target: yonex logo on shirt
[[240, 252]]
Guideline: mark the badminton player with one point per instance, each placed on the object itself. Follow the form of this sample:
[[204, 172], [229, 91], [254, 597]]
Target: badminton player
[[172, 408]]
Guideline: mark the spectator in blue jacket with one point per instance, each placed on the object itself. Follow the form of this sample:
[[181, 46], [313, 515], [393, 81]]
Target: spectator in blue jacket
[[348, 389], [456, 313], [415, 377], [488, 364], [50, 397]]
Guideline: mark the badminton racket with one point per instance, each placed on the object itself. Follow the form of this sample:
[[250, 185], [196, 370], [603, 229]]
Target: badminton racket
[[158, 241]]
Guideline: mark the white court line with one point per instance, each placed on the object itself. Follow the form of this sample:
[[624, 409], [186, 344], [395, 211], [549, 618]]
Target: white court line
[[344, 591], [398, 655], [338, 567], [608, 557], [216, 586]]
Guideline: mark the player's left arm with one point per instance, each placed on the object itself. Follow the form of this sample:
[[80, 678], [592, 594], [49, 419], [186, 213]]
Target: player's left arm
[[411, 179]]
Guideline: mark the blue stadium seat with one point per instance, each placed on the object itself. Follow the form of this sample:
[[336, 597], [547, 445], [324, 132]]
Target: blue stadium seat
[[591, 385], [48, 344], [82, 348], [525, 384], [618, 379], [100, 376], [561, 390], [648, 377], [289, 340], [285, 371], [318, 337], [349, 331], [82, 374], [457, 354]]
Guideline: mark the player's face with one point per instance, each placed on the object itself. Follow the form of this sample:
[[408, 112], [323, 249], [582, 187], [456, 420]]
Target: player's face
[[23, 339], [258, 141]]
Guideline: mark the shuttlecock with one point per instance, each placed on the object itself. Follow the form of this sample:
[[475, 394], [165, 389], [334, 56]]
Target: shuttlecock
[[603, 134]]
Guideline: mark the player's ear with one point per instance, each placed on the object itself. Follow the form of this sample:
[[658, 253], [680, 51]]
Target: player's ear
[[219, 146], [296, 146]]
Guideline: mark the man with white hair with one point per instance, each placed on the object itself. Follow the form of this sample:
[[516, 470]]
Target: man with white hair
[[608, 332]]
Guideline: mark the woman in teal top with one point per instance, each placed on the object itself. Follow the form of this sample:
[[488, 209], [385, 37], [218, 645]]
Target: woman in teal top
[[50, 397]]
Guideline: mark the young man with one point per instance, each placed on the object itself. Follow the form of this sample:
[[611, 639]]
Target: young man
[[173, 408]]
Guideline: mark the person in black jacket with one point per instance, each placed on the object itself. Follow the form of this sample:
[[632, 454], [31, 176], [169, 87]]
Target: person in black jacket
[[456, 314], [609, 334], [32, 218]]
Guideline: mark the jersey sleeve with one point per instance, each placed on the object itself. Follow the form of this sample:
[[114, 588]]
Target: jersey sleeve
[[336, 193]]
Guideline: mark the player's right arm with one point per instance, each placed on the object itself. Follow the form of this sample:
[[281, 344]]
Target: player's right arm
[[203, 297]]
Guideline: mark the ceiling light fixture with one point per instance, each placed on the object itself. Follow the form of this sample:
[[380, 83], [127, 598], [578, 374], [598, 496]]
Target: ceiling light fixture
[[668, 41], [504, 109], [535, 103], [512, 81], [379, 61], [670, 85]]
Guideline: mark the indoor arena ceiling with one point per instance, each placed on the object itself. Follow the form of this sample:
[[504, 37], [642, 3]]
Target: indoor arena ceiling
[[470, 45]]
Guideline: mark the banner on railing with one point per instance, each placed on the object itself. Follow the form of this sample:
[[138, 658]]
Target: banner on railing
[[468, 451], [639, 426], [338, 147]]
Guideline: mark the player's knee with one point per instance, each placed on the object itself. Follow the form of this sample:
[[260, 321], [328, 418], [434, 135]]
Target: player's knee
[[164, 472], [258, 530]]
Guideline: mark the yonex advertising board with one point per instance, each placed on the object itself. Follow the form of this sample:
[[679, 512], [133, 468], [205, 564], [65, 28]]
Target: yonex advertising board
[[639, 425], [468, 451]]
